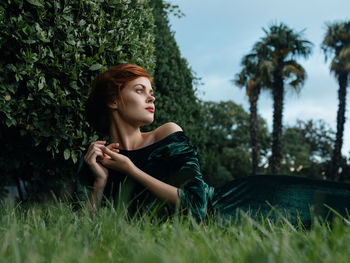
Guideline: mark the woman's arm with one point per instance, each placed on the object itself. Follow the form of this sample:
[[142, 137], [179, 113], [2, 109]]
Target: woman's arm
[[162, 190], [92, 159], [95, 196], [193, 193], [125, 165]]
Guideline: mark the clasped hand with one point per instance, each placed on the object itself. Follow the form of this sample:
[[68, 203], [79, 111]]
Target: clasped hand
[[114, 160], [100, 157]]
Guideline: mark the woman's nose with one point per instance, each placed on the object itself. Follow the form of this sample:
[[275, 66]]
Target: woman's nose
[[151, 98]]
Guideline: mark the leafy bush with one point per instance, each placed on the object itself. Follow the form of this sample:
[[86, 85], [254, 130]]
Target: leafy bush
[[175, 83], [51, 51], [228, 150]]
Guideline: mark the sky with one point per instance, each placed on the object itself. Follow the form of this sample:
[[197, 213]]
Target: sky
[[214, 36]]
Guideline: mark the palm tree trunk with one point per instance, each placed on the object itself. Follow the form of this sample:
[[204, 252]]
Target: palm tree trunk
[[278, 94], [343, 82], [253, 99]]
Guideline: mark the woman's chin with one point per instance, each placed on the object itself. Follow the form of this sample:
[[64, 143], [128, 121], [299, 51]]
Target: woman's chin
[[146, 122]]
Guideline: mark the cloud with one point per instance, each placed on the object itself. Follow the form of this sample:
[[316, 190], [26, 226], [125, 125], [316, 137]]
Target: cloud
[[219, 88]]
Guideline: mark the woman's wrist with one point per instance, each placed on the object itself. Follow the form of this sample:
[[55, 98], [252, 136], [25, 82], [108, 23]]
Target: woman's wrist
[[99, 184], [133, 171], [130, 168]]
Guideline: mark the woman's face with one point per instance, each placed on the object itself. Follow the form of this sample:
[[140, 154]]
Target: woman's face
[[138, 107]]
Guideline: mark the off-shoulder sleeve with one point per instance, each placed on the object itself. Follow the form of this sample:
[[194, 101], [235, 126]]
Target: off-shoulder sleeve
[[184, 168]]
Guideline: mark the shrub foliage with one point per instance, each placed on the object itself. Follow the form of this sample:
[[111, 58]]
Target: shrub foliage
[[51, 50], [174, 80]]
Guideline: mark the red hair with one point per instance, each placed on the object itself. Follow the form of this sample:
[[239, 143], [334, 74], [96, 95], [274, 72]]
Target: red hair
[[105, 88]]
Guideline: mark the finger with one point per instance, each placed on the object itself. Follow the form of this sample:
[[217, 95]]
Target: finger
[[97, 143], [106, 156], [100, 141], [113, 145], [98, 146], [94, 148], [97, 156], [88, 155], [93, 155], [108, 151], [106, 162], [93, 144]]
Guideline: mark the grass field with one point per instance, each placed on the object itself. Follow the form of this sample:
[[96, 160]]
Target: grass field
[[52, 233]]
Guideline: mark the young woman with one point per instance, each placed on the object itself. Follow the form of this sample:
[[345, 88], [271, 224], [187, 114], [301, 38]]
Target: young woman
[[161, 165]]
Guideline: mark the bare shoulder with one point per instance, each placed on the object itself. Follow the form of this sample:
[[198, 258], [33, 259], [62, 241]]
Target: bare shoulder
[[166, 129]]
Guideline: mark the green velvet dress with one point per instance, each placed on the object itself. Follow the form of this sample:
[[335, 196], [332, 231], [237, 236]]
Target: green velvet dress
[[174, 161]]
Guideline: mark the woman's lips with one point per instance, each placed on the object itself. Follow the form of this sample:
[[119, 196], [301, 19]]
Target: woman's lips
[[150, 109]]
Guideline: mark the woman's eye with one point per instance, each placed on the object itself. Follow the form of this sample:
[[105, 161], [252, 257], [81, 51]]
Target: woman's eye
[[139, 90]]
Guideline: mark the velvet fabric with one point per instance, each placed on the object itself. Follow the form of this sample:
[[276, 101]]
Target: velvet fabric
[[174, 161]]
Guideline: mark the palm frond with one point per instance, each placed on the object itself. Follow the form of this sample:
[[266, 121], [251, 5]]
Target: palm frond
[[336, 41], [278, 51], [250, 75], [296, 74], [345, 52]]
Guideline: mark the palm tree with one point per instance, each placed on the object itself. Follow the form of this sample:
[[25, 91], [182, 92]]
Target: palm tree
[[279, 48], [251, 78], [336, 43]]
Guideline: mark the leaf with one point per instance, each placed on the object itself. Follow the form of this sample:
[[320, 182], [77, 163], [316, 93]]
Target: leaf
[[51, 95], [95, 67], [10, 122], [74, 157], [71, 42], [11, 67], [66, 154], [41, 82], [35, 2], [82, 22]]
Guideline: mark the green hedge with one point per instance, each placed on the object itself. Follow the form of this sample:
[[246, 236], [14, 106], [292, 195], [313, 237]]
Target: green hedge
[[174, 80], [50, 52]]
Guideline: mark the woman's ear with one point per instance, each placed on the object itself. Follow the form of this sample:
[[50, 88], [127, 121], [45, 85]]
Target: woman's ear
[[113, 105]]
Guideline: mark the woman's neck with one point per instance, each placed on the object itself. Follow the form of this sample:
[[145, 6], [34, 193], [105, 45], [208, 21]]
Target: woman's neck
[[127, 133], [129, 137]]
